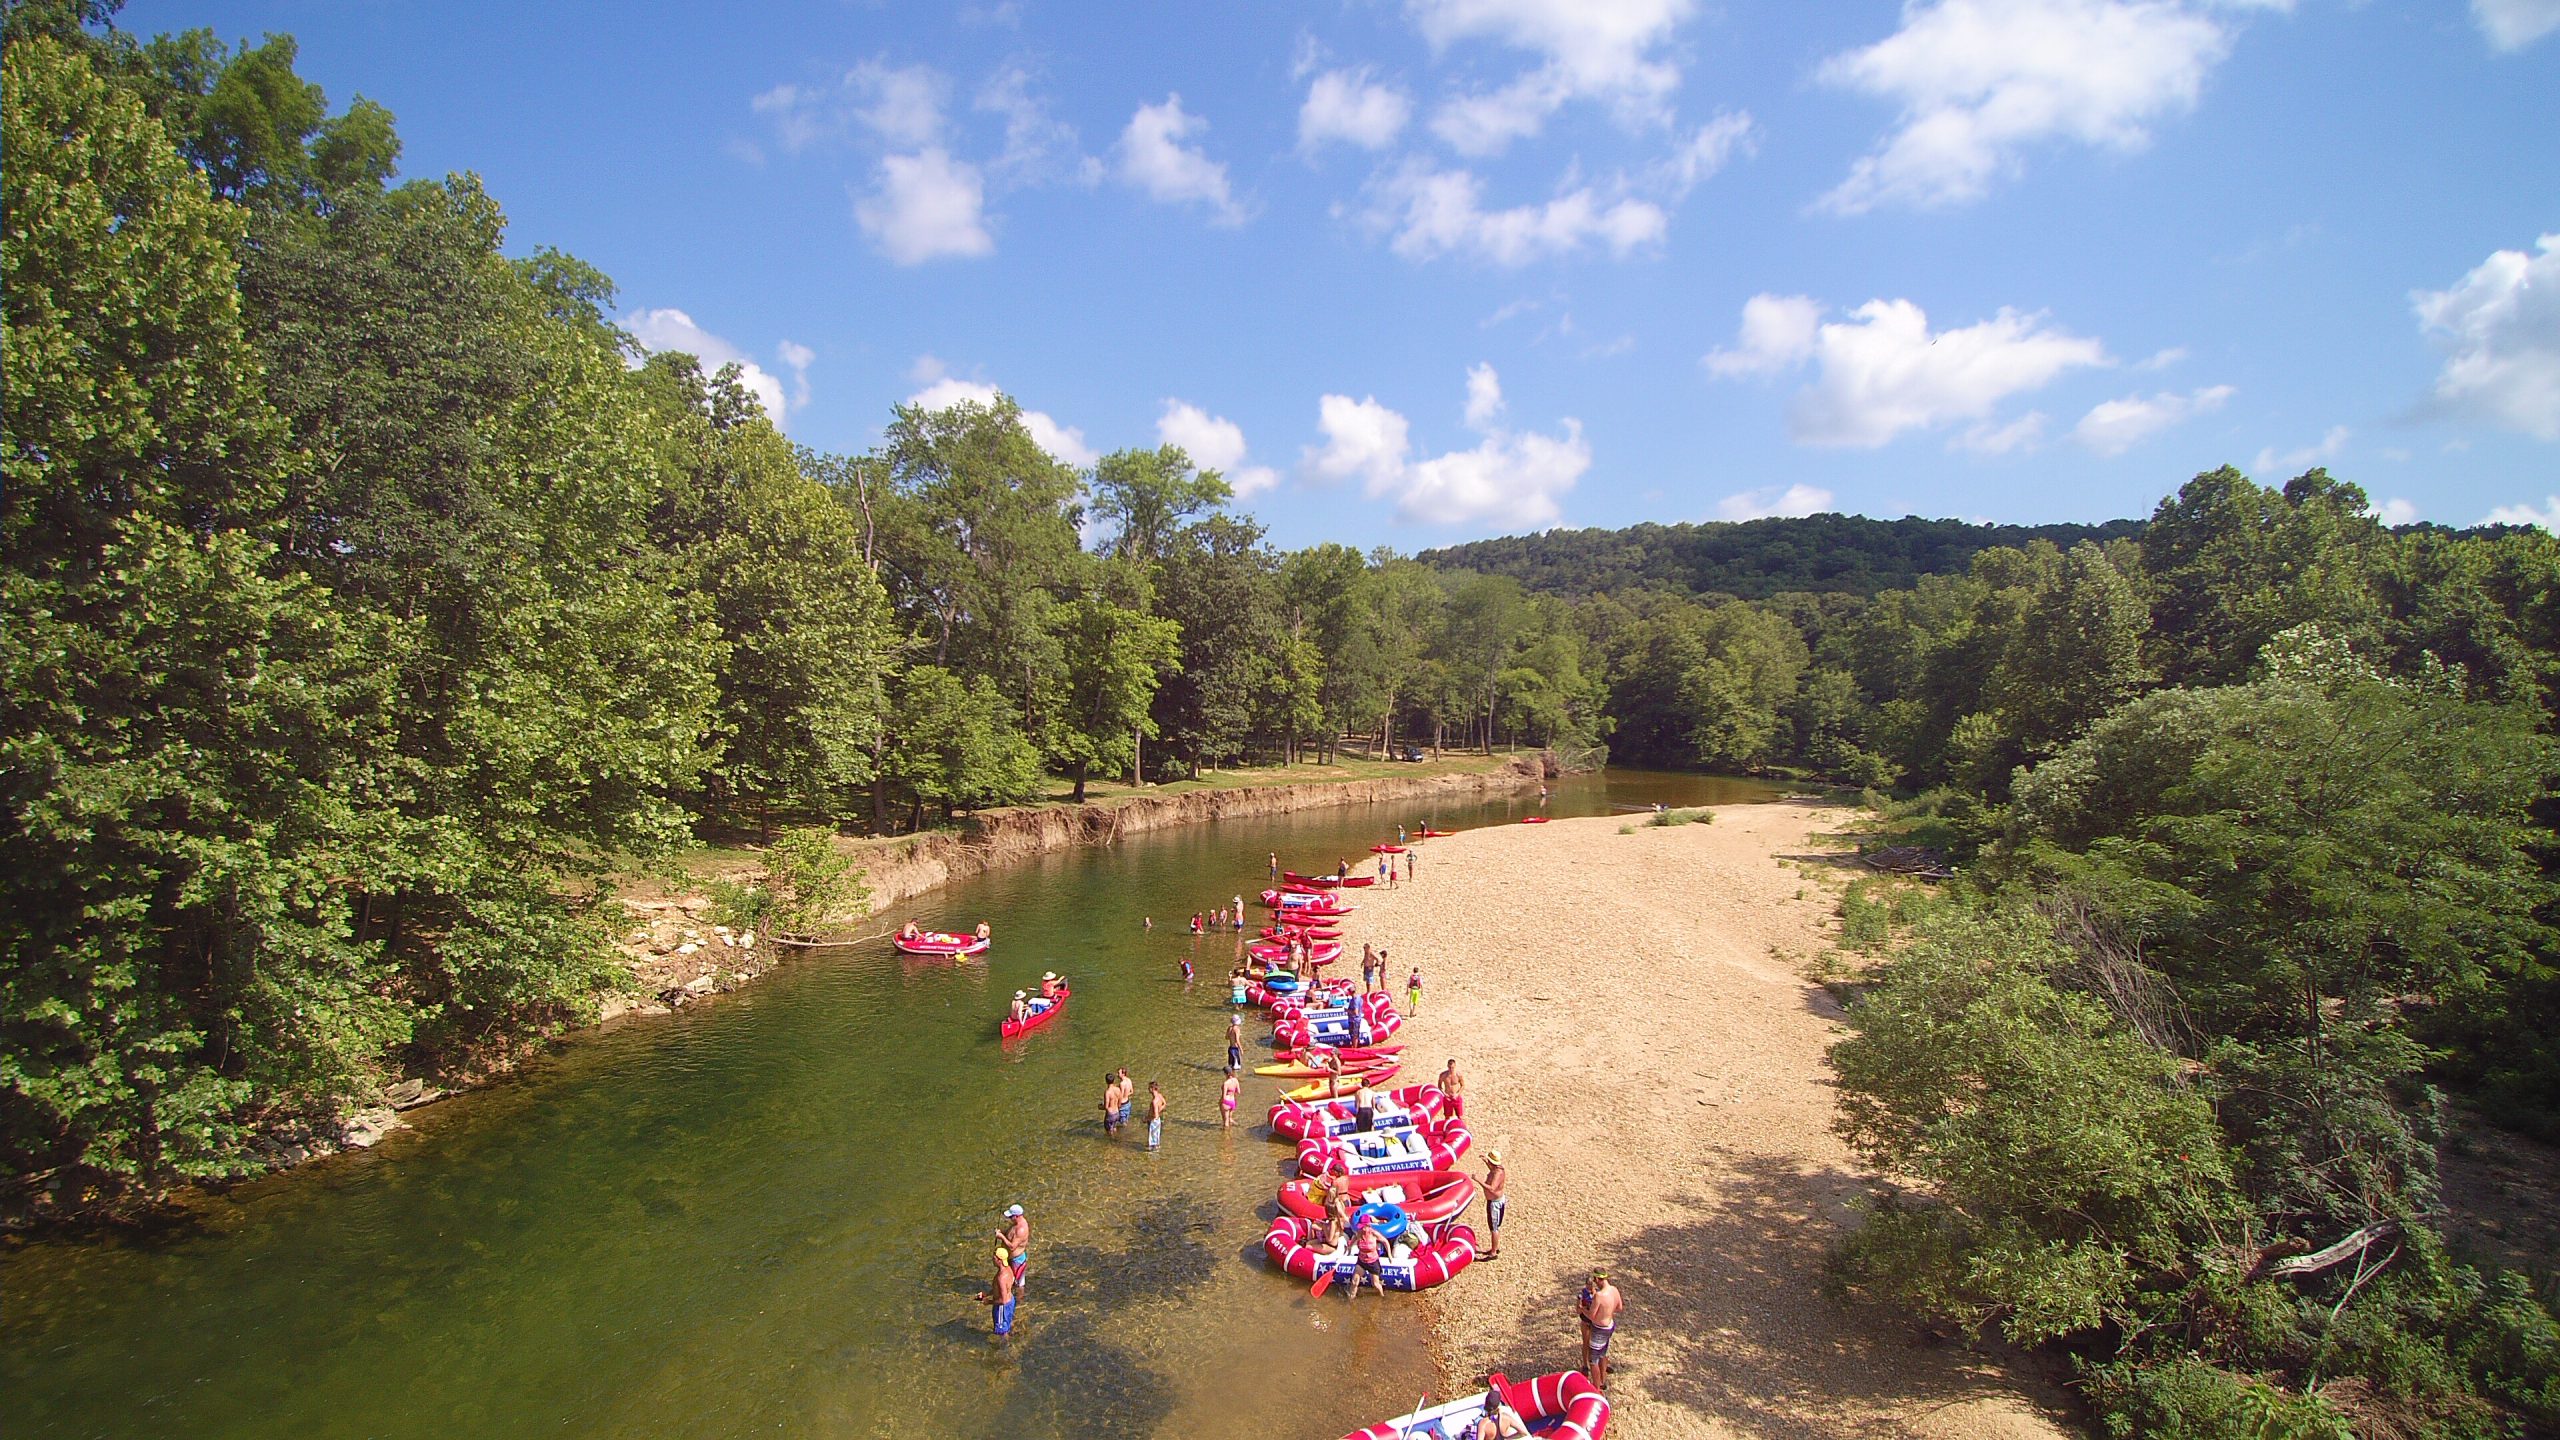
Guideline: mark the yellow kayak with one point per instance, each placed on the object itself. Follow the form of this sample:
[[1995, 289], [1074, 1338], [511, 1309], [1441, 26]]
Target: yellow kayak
[[1301, 1070], [1348, 1084]]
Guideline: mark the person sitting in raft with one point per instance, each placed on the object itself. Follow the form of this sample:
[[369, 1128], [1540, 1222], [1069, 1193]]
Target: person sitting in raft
[[908, 931], [1500, 1422]]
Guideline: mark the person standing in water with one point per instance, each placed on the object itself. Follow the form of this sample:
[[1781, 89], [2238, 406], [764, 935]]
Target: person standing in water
[[1599, 1306], [1017, 1242], [1155, 1115], [998, 1297], [1128, 1094], [1227, 1096], [1370, 1252], [1110, 1104], [1235, 1040], [1275, 867]]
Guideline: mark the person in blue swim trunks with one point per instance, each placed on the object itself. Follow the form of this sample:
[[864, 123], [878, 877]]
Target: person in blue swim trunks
[[1128, 1094], [1000, 1297], [1599, 1307], [1017, 1242]]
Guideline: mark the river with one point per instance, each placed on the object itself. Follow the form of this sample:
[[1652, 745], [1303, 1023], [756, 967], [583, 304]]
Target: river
[[768, 1215]]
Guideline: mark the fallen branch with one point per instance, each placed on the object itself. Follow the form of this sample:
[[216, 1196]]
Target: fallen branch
[[2355, 1244]]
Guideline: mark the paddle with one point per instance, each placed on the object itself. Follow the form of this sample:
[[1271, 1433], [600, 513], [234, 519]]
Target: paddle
[[1324, 1280]]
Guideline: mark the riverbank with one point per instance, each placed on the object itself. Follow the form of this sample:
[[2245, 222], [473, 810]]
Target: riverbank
[[1639, 1043], [677, 955]]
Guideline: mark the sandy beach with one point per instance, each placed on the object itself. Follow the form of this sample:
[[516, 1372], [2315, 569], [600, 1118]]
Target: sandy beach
[[1640, 1043]]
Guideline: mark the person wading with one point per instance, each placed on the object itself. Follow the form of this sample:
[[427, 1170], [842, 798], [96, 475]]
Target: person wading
[[1017, 1240], [998, 1297]]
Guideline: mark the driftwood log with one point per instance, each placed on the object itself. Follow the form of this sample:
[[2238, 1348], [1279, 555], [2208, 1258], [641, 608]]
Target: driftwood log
[[1915, 861]]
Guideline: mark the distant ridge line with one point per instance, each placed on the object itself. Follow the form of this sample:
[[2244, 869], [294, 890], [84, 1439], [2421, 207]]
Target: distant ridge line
[[1755, 559]]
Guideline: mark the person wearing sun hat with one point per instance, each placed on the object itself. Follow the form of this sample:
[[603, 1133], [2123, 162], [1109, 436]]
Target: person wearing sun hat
[[1497, 1198], [1021, 1006]]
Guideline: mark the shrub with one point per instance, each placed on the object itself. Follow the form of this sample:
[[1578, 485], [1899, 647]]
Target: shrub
[[2186, 1399]]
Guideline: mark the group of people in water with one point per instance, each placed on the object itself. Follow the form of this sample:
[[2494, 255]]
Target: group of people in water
[[1599, 1302]]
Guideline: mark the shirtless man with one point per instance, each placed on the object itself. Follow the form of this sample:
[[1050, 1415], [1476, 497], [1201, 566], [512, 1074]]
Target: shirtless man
[[1017, 1241], [1110, 1104], [999, 1296], [1337, 1213], [1235, 1040], [1454, 1085], [1599, 1306], [1497, 1181], [1128, 1094], [1155, 1115], [1021, 1007]]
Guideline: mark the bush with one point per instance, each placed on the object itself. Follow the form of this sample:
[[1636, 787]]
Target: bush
[[1683, 817], [2186, 1399], [1865, 922]]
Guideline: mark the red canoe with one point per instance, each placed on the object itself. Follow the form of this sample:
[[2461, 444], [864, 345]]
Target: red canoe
[[1533, 819], [1011, 1028], [1435, 834]]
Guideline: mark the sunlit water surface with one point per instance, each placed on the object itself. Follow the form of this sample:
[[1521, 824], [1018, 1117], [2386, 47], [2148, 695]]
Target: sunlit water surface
[[768, 1215]]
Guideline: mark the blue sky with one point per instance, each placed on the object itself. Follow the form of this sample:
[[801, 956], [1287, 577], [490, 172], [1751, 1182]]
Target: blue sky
[[1417, 271]]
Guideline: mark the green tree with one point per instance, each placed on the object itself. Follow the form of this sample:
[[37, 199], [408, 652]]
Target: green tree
[[952, 745], [1114, 658]]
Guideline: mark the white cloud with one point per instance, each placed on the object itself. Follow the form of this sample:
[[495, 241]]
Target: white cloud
[[1883, 371], [1063, 442], [2548, 517], [2294, 462], [1214, 443], [797, 358], [1984, 438], [801, 115], [2114, 426], [1484, 396], [1037, 147], [1777, 334], [1508, 477], [1154, 158], [1605, 50], [1363, 440], [2514, 24], [2396, 511], [926, 206], [1979, 81], [1346, 105], [2163, 359], [672, 329], [1441, 212], [2501, 327], [1706, 152], [1794, 502], [900, 104]]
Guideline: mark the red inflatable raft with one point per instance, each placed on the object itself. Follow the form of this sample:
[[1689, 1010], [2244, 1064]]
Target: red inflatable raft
[[1533, 819], [1428, 1198], [1435, 834], [1407, 1107], [1562, 1406], [939, 942], [1387, 1152], [1037, 1018], [1386, 849], [1419, 1261]]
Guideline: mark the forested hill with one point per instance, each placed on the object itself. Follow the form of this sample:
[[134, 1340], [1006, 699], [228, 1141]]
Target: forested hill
[[1754, 559]]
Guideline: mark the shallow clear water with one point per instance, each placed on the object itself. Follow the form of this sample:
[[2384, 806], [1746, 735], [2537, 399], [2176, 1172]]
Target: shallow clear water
[[769, 1215]]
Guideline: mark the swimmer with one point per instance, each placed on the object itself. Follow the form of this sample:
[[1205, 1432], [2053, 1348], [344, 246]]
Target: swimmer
[[1227, 1097]]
